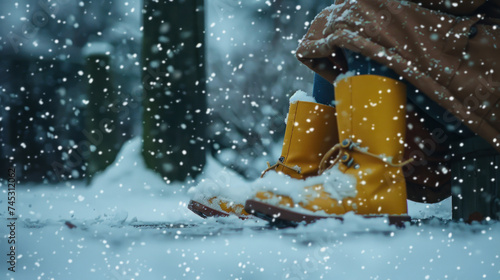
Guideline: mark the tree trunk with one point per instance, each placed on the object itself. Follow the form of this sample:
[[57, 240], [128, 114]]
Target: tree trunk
[[173, 77], [101, 130]]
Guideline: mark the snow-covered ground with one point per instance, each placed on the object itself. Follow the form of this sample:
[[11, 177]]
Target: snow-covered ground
[[128, 224]]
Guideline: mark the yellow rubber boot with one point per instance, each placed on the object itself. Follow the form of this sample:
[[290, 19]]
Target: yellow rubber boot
[[371, 127], [373, 124], [311, 130]]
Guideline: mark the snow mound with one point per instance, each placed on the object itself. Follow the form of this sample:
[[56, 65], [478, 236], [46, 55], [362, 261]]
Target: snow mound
[[226, 185], [125, 190], [336, 183], [221, 182], [129, 169]]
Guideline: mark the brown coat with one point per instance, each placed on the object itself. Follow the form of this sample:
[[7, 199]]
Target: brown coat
[[452, 54]]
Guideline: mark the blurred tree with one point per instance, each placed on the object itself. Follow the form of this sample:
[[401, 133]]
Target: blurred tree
[[173, 77], [101, 118], [35, 122], [43, 85]]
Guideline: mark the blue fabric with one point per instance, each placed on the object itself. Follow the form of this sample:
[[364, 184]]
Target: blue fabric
[[363, 66], [324, 92]]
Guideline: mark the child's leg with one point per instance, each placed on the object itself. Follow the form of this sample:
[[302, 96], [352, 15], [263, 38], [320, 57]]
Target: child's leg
[[323, 90]]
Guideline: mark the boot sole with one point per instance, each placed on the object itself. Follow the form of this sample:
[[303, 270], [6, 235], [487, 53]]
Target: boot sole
[[205, 211], [282, 218]]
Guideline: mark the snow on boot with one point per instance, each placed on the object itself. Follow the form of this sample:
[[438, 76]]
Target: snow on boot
[[310, 133], [371, 125]]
